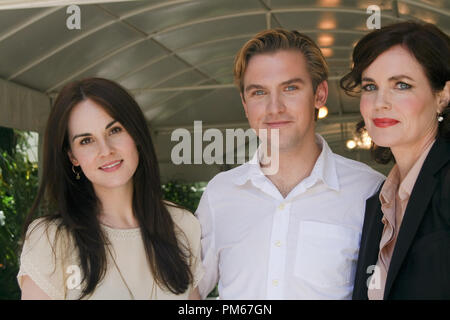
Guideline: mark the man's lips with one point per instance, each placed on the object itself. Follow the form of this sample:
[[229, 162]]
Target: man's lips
[[277, 124], [385, 122]]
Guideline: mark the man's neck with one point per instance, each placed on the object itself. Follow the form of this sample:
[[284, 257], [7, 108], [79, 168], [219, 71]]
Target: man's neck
[[294, 166]]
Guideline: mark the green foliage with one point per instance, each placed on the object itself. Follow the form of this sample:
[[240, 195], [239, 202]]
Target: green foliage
[[185, 194], [18, 187]]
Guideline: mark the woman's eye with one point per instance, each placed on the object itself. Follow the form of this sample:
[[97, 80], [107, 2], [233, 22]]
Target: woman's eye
[[85, 141], [403, 86], [115, 130], [369, 87]]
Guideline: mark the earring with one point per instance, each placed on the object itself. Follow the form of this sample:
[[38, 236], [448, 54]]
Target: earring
[[440, 117], [77, 173]]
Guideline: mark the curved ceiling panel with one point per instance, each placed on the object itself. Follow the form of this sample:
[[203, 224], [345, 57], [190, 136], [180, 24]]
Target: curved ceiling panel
[[176, 56]]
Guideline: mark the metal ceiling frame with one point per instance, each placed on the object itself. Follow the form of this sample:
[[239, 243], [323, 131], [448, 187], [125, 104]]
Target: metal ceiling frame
[[132, 13], [138, 91], [146, 64], [269, 13], [427, 7], [198, 44], [172, 28], [197, 21], [161, 102], [29, 22], [18, 4]]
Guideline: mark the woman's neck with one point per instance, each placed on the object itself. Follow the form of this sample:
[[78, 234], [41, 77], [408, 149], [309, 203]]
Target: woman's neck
[[407, 155], [116, 207]]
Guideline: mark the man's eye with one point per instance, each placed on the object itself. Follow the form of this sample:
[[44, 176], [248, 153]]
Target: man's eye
[[291, 88], [369, 87], [403, 85], [258, 93]]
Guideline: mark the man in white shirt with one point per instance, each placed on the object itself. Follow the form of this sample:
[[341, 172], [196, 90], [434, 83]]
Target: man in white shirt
[[294, 234]]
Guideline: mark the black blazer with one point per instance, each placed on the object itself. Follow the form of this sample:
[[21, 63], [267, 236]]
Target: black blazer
[[420, 264]]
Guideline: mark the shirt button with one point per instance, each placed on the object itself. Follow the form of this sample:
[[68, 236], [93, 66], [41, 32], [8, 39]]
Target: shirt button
[[275, 283], [278, 243], [281, 206]]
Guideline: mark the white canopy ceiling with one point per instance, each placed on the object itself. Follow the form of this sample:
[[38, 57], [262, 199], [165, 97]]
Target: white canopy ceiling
[[176, 57]]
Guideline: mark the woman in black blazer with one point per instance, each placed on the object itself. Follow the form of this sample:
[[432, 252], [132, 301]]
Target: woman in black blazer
[[402, 72]]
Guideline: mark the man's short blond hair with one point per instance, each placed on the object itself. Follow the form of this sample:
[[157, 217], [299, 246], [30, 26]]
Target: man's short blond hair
[[272, 40]]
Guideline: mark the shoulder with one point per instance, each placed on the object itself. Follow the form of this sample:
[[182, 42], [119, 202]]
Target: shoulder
[[355, 172], [349, 166], [44, 254], [42, 232], [184, 219], [226, 179], [357, 177]]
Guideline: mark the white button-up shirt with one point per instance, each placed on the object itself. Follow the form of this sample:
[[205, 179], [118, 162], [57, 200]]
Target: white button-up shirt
[[259, 245]]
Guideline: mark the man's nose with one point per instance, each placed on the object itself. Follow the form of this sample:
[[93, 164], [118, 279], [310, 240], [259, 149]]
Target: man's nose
[[275, 104]]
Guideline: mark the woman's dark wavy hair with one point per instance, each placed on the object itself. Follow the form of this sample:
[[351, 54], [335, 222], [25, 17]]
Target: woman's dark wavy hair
[[429, 45], [74, 205]]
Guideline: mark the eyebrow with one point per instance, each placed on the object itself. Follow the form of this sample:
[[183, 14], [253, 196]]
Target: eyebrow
[[88, 134], [393, 78], [293, 81], [253, 86], [258, 86]]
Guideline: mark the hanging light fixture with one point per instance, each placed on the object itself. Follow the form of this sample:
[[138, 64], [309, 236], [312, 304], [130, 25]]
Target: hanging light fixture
[[351, 144], [323, 112]]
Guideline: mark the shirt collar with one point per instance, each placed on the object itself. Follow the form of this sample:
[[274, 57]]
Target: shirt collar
[[405, 189], [324, 168], [387, 193], [251, 168]]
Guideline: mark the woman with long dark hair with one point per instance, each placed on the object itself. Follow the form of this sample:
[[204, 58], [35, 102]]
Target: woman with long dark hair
[[403, 74], [105, 231]]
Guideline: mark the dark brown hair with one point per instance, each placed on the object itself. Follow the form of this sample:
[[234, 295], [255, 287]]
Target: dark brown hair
[[272, 40], [429, 45], [74, 204]]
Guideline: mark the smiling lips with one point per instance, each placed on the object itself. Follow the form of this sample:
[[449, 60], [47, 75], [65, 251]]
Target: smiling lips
[[111, 166], [385, 122]]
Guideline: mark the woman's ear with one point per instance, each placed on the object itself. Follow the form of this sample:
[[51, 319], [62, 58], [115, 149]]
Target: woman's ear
[[444, 97], [72, 158]]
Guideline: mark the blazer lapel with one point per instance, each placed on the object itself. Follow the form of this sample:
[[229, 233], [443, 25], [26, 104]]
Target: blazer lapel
[[370, 244], [375, 231], [417, 205]]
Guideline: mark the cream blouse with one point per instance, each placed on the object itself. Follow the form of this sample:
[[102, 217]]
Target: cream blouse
[[59, 277]]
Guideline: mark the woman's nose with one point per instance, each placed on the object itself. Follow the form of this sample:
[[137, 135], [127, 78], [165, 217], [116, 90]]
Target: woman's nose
[[104, 147], [383, 99]]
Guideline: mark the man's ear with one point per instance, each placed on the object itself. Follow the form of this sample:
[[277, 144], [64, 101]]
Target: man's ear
[[444, 97], [321, 95], [72, 158], [244, 104]]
